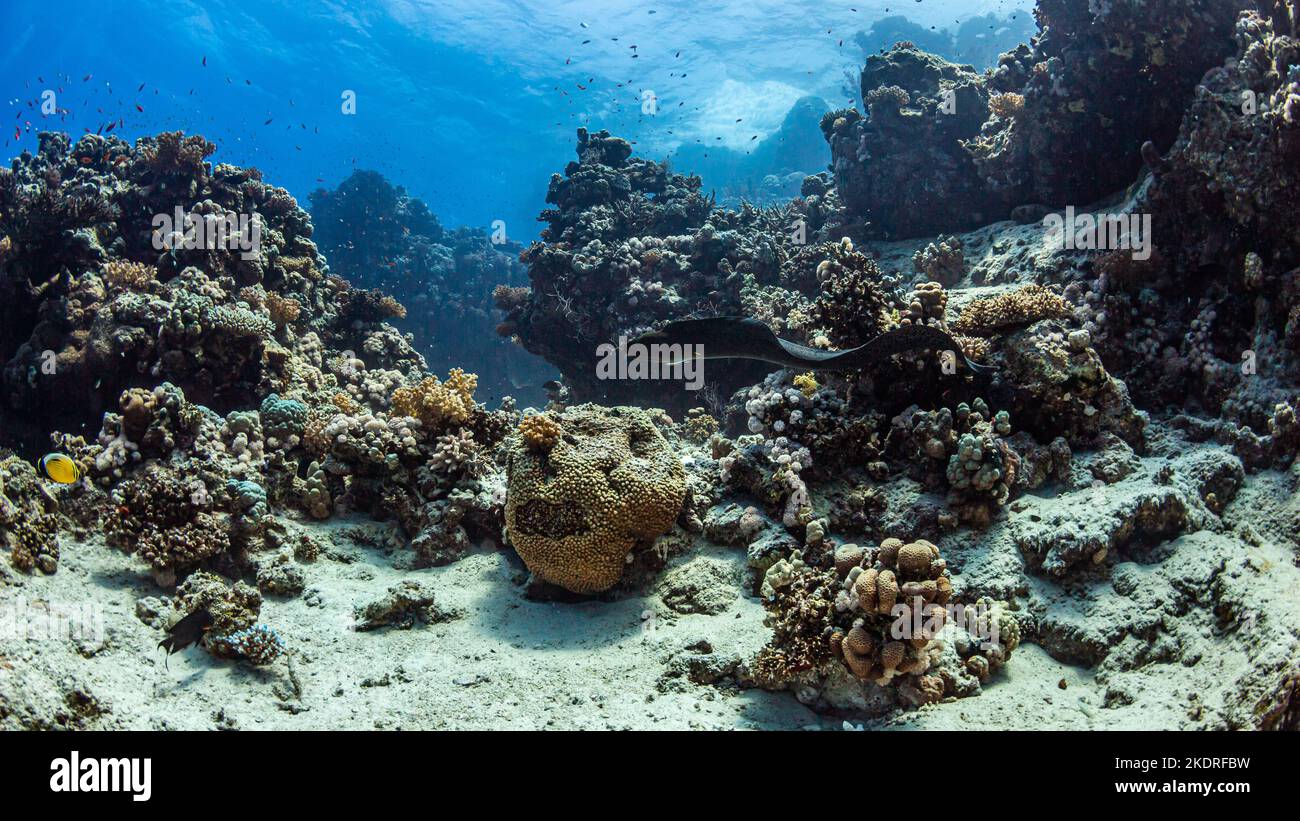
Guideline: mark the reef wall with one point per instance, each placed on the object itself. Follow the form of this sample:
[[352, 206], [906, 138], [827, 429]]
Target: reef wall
[[1058, 121], [377, 235]]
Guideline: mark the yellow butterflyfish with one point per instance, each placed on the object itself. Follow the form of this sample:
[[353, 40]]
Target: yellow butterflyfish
[[59, 467]]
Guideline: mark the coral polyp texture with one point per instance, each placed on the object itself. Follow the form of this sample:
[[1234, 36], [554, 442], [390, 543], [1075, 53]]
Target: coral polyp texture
[[575, 511]]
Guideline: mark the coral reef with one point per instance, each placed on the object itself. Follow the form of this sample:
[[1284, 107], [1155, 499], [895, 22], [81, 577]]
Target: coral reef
[[850, 306], [235, 382], [1109, 469], [170, 524], [378, 236], [127, 305], [901, 168], [234, 608], [629, 245], [1035, 146], [941, 148], [1213, 313]]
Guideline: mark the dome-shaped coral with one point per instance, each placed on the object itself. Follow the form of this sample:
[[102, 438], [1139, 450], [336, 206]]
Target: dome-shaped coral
[[575, 512]]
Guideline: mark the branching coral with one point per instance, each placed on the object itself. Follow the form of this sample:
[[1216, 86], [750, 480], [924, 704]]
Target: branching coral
[[438, 404], [539, 432], [454, 453], [125, 275], [943, 261], [28, 518], [850, 308], [259, 644], [283, 310], [165, 521], [927, 305], [1007, 105]]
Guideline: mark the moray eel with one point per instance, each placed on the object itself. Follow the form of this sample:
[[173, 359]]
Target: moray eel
[[728, 337]]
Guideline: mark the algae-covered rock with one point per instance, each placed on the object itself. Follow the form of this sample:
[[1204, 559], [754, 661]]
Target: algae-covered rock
[[702, 585], [1066, 390], [575, 511], [1057, 535], [28, 524]]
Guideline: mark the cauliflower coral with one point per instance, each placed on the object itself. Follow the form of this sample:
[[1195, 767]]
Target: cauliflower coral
[[438, 404]]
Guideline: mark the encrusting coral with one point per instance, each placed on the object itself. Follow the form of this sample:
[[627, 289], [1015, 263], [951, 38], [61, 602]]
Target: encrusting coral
[[1022, 306]]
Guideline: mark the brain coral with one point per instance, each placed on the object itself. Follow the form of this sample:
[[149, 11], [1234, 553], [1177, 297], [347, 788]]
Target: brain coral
[[574, 512]]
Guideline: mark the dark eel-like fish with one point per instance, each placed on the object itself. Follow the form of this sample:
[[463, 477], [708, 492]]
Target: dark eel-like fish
[[729, 337]]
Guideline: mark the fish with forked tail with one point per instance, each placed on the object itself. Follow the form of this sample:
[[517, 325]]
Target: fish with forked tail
[[187, 631]]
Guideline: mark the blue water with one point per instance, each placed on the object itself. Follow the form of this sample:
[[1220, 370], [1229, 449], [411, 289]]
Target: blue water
[[470, 104]]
